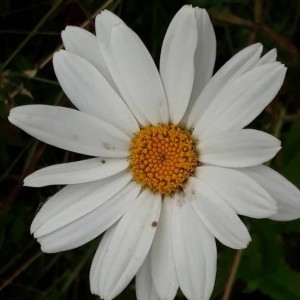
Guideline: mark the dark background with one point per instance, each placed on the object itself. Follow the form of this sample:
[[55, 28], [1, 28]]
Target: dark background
[[30, 34]]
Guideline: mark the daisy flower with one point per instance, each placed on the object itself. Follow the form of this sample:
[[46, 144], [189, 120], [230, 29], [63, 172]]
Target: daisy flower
[[173, 165]]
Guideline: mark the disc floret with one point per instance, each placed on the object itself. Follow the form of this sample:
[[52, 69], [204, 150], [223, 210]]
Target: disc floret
[[162, 157]]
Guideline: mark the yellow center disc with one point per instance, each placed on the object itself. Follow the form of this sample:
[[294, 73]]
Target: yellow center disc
[[162, 158]]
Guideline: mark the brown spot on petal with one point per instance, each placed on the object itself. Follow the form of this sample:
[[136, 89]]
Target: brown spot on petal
[[154, 224]]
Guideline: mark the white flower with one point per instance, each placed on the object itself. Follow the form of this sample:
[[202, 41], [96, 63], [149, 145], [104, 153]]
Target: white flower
[[173, 164]]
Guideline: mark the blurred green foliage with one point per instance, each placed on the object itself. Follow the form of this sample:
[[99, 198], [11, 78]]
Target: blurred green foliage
[[30, 33]]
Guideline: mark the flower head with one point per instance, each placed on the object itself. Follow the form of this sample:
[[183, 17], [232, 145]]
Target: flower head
[[173, 163]]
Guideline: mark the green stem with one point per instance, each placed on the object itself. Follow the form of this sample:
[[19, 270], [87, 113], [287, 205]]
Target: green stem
[[278, 127], [9, 280], [31, 34], [78, 269], [7, 171], [232, 275]]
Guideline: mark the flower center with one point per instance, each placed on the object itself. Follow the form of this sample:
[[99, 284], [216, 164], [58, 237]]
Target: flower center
[[162, 157]]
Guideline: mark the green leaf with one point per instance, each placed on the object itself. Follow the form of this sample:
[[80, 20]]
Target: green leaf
[[292, 140], [17, 229], [292, 169], [281, 285], [225, 260], [257, 260], [291, 154]]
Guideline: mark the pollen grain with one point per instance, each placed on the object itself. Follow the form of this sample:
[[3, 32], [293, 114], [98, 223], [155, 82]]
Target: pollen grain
[[162, 157]]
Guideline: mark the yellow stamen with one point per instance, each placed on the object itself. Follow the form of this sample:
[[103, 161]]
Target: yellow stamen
[[162, 158]]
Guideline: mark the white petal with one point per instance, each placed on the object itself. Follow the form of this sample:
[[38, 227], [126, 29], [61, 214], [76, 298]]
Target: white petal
[[195, 253], [71, 130], [132, 68], [162, 260], [84, 44], [241, 192], [75, 201], [284, 192], [98, 258], [177, 61], [137, 76], [217, 215], [236, 149], [143, 281], [90, 92], [104, 23], [269, 57], [239, 64], [130, 244], [242, 100], [205, 54], [89, 226], [76, 172]]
